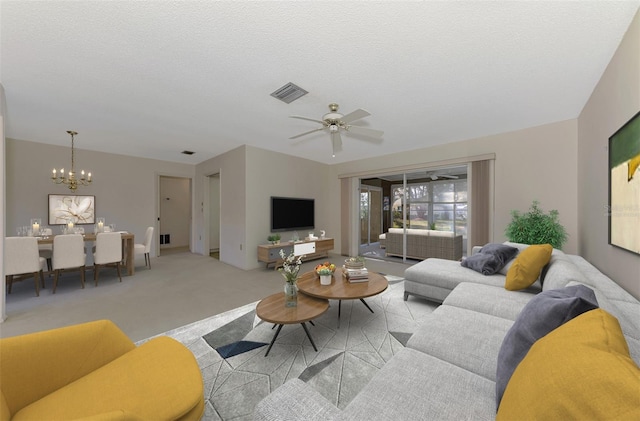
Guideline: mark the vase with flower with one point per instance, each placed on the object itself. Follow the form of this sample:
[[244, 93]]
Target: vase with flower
[[325, 272], [290, 268]]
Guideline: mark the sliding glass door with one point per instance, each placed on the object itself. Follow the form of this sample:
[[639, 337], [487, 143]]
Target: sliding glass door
[[370, 216], [422, 200]]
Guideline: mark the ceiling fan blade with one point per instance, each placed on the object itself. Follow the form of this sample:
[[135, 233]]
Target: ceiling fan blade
[[307, 118], [365, 131], [306, 133], [355, 115], [336, 141]]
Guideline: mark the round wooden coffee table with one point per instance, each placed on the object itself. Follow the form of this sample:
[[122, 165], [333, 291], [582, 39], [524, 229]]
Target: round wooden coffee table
[[341, 289], [272, 309]]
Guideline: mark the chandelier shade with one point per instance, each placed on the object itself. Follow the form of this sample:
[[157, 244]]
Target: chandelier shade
[[71, 179]]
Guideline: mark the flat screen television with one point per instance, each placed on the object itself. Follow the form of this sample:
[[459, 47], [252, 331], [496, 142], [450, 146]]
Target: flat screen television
[[290, 213]]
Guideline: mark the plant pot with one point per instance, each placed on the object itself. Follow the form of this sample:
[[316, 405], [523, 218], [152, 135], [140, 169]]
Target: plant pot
[[325, 279]]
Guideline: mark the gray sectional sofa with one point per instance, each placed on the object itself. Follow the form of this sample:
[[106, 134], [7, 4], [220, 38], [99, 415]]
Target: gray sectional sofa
[[447, 371]]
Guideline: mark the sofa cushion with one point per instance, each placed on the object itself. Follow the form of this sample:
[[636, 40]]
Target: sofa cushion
[[545, 312], [417, 386], [447, 274], [527, 266], [475, 349], [435, 233], [559, 272], [489, 299], [583, 371]]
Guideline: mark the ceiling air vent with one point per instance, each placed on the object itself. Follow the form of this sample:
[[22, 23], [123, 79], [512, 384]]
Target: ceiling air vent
[[188, 152], [289, 93]]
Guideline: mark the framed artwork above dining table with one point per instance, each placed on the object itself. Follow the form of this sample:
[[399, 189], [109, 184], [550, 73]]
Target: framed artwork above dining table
[[65, 208]]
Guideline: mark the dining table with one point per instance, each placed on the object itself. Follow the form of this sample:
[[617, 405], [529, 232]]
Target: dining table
[[127, 247]]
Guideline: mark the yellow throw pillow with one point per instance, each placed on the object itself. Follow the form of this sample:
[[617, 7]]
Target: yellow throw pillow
[[527, 266], [581, 370]]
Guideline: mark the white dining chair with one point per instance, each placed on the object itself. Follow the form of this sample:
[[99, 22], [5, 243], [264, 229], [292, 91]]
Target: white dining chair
[[46, 250], [21, 257], [68, 253], [145, 248], [108, 252]]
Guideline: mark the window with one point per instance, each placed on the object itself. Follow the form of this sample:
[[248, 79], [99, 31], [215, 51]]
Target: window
[[437, 204]]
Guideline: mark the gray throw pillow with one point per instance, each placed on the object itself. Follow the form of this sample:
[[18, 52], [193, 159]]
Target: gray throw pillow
[[502, 252], [544, 313], [490, 258], [486, 264]]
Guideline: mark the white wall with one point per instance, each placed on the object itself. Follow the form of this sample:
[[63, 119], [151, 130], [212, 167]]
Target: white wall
[[539, 163], [125, 187], [615, 100]]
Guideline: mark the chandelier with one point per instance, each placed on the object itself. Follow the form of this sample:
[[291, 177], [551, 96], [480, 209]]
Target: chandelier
[[71, 179]]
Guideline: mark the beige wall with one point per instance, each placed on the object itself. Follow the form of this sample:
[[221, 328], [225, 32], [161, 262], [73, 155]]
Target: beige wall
[[249, 176], [287, 176], [231, 166], [538, 163], [2, 202], [615, 100], [126, 188]]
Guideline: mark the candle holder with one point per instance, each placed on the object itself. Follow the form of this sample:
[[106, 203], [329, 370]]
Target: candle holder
[[100, 224], [35, 226]]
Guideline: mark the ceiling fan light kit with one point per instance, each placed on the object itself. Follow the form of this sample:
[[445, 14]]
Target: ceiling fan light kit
[[334, 123]]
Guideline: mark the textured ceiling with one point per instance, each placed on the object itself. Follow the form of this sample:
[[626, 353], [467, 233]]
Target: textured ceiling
[[153, 78]]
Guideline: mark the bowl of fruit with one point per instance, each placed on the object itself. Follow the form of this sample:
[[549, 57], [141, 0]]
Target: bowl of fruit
[[325, 272]]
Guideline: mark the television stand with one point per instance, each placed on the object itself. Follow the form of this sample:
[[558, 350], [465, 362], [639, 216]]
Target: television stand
[[270, 253]]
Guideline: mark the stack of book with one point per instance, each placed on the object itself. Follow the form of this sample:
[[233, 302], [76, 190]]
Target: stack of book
[[356, 275]]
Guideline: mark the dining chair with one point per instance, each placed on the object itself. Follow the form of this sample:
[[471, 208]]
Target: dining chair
[[145, 248], [21, 257], [108, 252], [46, 250], [68, 253]]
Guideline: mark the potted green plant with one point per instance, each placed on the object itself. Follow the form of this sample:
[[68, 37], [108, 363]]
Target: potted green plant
[[274, 239], [536, 227]]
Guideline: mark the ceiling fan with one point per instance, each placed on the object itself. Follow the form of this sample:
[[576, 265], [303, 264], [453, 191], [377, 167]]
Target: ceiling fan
[[434, 176], [334, 123]]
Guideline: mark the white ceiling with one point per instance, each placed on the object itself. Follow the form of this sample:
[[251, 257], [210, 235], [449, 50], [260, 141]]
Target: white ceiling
[[153, 78]]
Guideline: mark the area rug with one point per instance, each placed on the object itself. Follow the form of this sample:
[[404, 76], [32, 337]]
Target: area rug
[[230, 349]]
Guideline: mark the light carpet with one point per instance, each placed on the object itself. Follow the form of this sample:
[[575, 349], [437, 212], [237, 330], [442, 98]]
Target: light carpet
[[348, 356]]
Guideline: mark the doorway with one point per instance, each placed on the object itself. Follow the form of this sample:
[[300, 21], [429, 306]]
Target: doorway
[[175, 215], [214, 216], [370, 217]]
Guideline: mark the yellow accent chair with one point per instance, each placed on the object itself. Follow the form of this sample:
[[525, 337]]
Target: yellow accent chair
[[93, 371]]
